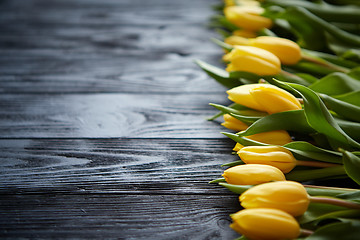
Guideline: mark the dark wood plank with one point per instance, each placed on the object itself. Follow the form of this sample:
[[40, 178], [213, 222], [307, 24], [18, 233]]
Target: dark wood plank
[[102, 121], [109, 47], [107, 12], [108, 116], [127, 166], [53, 72], [117, 216]]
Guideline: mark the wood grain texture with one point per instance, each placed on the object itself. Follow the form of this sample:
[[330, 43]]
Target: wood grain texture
[[127, 166], [115, 46], [54, 72], [102, 121], [108, 115], [117, 216]]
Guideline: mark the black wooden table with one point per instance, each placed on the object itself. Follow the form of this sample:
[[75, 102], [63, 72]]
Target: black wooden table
[[102, 121]]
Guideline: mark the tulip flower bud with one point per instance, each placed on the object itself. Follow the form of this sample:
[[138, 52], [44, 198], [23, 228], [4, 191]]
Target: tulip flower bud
[[252, 59], [276, 137], [287, 196], [265, 224], [274, 99], [251, 174], [264, 97], [286, 50], [247, 17], [233, 123], [269, 155]]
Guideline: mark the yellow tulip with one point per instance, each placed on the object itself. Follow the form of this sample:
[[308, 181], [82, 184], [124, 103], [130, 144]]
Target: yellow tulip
[[269, 155], [264, 97], [276, 137], [265, 224], [247, 17], [286, 50], [251, 174], [233, 123], [274, 99], [242, 96], [252, 59], [287, 196]]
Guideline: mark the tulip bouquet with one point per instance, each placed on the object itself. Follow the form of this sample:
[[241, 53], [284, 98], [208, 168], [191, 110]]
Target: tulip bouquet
[[293, 77]]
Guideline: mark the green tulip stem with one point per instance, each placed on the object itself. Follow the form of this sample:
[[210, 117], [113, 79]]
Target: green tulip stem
[[332, 188], [289, 75], [316, 164], [305, 232], [335, 201], [324, 63], [327, 191], [311, 189]]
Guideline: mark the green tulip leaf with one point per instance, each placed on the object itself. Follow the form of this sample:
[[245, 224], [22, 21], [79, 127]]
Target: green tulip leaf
[[335, 32], [291, 78], [352, 129], [243, 140], [312, 68], [331, 58], [234, 106], [348, 213], [232, 164], [245, 119], [352, 98], [352, 196], [309, 36], [289, 120], [345, 109], [336, 84], [352, 165], [308, 77], [348, 230], [352, 54], [328, 12], [309, 151], [355, 73], [223, 45], [317, 210], [246, 115], [318, 117], [220, 75]]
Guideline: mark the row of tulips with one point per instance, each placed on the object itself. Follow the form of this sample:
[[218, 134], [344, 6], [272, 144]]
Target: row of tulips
[[295, 109]]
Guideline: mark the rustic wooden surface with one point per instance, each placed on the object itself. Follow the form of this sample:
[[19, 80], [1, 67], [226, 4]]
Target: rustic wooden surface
[[102, 121]]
